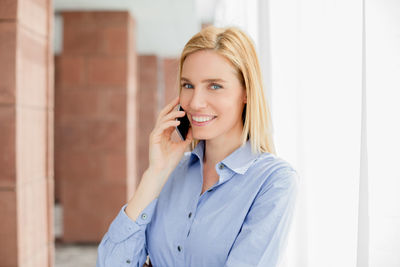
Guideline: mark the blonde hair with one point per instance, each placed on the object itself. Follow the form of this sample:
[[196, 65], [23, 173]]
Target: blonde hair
[[237, 47]]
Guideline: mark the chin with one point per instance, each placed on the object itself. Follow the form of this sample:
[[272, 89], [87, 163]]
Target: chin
[[202, 136]]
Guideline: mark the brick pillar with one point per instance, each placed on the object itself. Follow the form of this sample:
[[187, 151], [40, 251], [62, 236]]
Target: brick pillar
[[26, 122], [170, 71], [147, 107], [95, 121]]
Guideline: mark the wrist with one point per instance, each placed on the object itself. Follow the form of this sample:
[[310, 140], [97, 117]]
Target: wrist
[[155, 178], [153, 171]]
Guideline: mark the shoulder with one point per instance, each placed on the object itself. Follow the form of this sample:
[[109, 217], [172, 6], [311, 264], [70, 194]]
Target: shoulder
[[275, 172], [269, 164]]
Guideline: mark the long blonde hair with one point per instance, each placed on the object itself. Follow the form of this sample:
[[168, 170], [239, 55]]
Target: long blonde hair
[[237, 47]]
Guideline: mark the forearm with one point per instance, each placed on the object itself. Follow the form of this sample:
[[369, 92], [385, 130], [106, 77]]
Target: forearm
[[149, 188], [125, 240]]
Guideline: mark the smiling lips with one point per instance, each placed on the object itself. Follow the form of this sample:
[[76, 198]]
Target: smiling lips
[[202, 120]]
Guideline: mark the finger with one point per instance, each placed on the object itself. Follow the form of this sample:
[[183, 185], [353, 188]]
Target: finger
[[167, 109], [189, 136], [173, 115], [169, 131], [188, 139], [170, 106], [165, 126]]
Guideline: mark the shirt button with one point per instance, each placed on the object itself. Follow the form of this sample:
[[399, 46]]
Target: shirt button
[[221, 166], [179, 248], [144, 216], [128, 261], [190, 215]]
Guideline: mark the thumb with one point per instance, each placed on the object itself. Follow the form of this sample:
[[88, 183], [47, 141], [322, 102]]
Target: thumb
[[189, 136]]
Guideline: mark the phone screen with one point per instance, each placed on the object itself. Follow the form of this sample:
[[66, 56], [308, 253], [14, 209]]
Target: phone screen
[[183, 127]]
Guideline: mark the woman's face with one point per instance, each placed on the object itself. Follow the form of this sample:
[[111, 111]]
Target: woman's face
[[212, 96]]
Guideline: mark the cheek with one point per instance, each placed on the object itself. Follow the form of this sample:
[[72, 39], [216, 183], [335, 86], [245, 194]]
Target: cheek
[[232, 114], [184, 98], [230, 106]]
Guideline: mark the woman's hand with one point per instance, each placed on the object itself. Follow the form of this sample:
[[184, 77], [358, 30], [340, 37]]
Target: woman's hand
[[165, 154]]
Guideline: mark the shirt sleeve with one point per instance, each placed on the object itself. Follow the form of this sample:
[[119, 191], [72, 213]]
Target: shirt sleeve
[[124, 244], [263, 235]]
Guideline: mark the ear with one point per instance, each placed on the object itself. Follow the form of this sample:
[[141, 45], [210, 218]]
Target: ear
[[245, 99]]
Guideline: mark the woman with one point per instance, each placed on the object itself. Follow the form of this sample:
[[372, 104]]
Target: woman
[[229, 201]]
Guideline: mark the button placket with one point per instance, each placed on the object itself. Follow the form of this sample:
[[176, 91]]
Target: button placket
[[191, 209]]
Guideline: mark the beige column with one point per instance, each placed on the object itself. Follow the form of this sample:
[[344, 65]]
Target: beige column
[[26, 122]]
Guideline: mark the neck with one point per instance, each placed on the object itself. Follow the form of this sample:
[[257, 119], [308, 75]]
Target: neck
[[217, 150]]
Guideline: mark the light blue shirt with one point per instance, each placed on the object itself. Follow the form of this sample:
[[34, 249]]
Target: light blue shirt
[[242, 220]]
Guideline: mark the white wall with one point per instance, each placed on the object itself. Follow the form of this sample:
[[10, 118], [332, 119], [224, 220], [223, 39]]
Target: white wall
[[383, 128], [163, 26]]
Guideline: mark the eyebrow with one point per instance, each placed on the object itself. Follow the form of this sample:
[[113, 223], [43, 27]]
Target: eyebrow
[[205, 81]]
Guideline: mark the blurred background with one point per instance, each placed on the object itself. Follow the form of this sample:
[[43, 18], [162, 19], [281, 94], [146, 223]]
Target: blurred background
[[81, 83]]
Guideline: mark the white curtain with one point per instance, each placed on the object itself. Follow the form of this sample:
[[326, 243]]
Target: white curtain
[[332, 75], [383, 129]]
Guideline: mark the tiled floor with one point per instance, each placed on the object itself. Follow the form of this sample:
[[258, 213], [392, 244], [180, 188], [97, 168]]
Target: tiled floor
[[72, 255], [75, 256]]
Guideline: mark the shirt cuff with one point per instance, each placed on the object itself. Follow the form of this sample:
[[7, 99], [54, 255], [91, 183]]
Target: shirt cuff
[[123, 226]]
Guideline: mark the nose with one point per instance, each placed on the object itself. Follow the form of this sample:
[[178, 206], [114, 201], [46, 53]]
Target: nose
[[199, 99]]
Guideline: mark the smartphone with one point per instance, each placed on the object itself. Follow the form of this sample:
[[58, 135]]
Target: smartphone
[[183, 127]]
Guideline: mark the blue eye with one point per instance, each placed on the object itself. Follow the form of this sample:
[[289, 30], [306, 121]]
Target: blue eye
[[215, 86], [187, 86]]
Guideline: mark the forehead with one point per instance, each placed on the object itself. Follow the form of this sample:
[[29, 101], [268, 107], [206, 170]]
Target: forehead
[[208, 64]]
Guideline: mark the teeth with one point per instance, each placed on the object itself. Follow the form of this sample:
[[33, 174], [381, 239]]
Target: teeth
[[202, 119]]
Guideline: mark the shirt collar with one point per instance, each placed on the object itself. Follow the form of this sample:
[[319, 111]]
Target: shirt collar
[[197, 152], [238, 161]]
